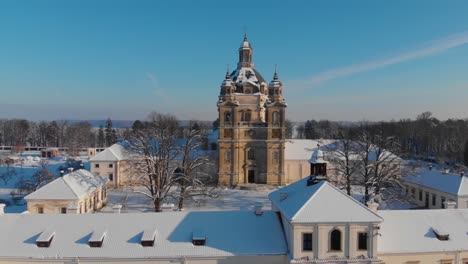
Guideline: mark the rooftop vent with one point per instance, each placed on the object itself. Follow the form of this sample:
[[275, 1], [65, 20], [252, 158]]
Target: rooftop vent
[[440, 234], [70, 169], [446, 171], [148, 237], [45, 238], [198, 238], [96, 239]]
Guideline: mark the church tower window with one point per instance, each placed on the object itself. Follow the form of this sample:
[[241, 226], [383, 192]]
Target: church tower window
[[251, 154]]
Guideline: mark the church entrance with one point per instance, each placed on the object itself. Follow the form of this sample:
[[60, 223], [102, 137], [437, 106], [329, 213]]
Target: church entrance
[[251, 176]]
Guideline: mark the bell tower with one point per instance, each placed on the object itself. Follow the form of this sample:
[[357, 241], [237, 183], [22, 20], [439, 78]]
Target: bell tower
[[251, 125]]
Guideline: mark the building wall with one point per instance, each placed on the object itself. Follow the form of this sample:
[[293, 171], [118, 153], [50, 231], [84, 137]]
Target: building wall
[[321, 241], [89, 204], [426, 258], [278, 259], [105, 171], [237, 138], [429, 192]]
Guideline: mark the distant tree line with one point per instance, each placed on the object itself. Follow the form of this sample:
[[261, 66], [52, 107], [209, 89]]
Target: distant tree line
[[425, 137]]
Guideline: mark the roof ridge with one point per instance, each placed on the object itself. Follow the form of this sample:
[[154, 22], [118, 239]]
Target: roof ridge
[[310, 198], [355, 201], [66, 182], [113, 153]]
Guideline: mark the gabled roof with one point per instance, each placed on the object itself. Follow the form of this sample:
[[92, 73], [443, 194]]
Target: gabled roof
[[412, 231], [72, 186], [247, 235], [446, 182], [115, 152], [320, 203]]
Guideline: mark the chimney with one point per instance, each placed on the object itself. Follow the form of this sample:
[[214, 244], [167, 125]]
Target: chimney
[[450, 204], [258, 208], [283, 196], [2, 206], [430, 166], [70, 170], [117, 208], [81, 166], [373, 206], [62, 173], [462, 173]]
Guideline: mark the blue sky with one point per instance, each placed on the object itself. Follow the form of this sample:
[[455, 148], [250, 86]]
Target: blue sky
[[338, 60]]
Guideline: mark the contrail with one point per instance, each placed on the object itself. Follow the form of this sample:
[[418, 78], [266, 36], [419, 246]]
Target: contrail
[[430, 48]]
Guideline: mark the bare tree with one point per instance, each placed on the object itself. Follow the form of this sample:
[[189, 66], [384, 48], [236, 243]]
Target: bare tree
[[192, 173], [153, 150], [342, 155], [9, 171], [40, 178]]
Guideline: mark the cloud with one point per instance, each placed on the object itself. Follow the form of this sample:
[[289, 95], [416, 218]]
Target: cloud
[[430, 48]]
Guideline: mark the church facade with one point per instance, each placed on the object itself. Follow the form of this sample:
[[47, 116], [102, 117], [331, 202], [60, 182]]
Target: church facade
[[252, 114]]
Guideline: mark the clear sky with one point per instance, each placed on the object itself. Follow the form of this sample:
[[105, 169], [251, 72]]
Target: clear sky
[[338, 60]]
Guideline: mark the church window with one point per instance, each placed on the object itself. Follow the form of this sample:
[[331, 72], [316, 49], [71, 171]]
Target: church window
[[275, 118], [276, 155], [228, 156], [227, 117], [246, 115], [276, 133], [335, 240], [362, 241], [227, 133], [251, 154], [307, 241]]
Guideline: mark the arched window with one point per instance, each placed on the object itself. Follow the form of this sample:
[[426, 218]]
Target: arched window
[[335, 240], [275, 117], [246, 115], [251, 154], [227, 117]]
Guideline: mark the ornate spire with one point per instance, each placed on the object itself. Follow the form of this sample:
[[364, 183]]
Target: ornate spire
[[275, 77], [228, 75]]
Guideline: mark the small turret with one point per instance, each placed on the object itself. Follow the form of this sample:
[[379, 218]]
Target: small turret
[[275, 89], [245, 53], [227, 86], [318, 165]]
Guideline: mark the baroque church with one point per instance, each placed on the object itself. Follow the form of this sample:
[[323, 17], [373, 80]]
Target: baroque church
[[251, 125]]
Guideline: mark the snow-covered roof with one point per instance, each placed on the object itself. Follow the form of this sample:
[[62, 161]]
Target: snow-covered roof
[[319, 203], [247, 74], [72, 186], [302, 149], [411, 231], [115, 152], [446, 182], [247, 234]]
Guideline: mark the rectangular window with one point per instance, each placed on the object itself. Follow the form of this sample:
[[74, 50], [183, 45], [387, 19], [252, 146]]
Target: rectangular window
[[111, 165], [63, 210], [227, 156], [307, 241], [442, 202], [276, 133], [251, 154], [420, 195], [111, 177], [227, 133], [96, 165], [446, 261], [434, 199], [362, 241], [40, 210]]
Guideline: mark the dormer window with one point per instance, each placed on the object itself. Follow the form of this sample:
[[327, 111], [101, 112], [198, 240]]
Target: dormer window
[[45, 239], [198, 238], [148, 237], [335, 240], [96, 239]]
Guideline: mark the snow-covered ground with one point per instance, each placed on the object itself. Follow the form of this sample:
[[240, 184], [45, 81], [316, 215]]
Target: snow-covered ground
[[227, 199]]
